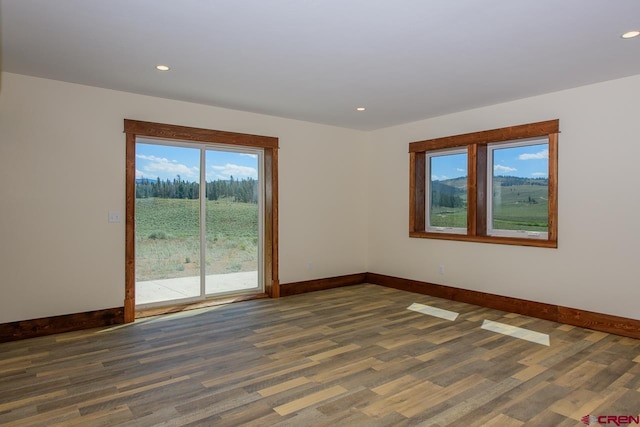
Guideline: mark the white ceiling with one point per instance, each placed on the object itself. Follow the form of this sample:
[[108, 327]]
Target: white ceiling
[[317, 60]]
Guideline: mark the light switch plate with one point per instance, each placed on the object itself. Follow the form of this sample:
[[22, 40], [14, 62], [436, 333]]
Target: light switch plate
[[114, 216]]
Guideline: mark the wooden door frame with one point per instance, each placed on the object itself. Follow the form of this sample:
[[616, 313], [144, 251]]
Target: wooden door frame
[[135, 128]]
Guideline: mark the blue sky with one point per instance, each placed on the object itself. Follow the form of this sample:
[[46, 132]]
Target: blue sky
[[167, 162], [530, 161]]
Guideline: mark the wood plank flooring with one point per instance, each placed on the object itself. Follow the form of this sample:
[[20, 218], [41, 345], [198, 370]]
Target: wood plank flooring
[[346, 356]]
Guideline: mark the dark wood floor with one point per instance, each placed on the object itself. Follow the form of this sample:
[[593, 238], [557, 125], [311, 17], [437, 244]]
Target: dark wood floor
[[347, 356]]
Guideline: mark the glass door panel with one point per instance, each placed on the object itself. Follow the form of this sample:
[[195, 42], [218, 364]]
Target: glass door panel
[[167, 262], [232, 228]]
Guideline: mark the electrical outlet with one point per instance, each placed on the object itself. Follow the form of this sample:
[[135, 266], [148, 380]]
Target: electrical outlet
[[310, 265], [441, 269]]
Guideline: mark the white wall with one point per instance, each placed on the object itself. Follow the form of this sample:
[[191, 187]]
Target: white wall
[[596, 265], [343, 198], [62, 167]]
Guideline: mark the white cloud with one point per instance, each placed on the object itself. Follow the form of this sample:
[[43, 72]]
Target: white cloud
[[500, 168], [237, 171], [439, 178], [253, 156], [152, 158], [168, 167], [544, 154], [539, 174], [461, 170]]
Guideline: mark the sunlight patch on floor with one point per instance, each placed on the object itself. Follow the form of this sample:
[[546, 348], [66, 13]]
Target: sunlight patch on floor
[[433, 311], [516, 332]]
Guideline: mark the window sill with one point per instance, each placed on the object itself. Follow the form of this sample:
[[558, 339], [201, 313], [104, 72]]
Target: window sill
[[485, 239]]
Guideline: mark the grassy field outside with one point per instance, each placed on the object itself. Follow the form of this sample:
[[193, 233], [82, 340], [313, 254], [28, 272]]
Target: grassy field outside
[[168, 237], [168, 230], [451, 214], [515, 207], [521, 207], [449, 217]]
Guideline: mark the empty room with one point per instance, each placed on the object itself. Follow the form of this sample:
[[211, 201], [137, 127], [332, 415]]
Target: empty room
[[336, 212]]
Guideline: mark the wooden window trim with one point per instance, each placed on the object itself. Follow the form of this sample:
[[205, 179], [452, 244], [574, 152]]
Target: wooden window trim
[[476, 143], [135, 128]]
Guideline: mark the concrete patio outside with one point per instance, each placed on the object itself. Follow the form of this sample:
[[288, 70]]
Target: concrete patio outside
[[153, 291]]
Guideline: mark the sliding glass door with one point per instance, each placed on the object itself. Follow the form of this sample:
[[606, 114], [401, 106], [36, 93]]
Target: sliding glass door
[[198, 221]]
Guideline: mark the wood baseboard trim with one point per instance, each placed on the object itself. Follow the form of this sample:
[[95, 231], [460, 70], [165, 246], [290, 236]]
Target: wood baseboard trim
[[572, 316], [24, 329], [623, 326], [295, 288]]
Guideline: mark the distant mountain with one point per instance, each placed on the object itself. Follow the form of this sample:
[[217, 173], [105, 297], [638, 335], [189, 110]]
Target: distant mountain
[[449, 193], [440, 187], [460, 184], [454, 186]]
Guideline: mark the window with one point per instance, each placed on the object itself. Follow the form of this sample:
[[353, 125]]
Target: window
[[495, 186], [518, 176], [447, 191]]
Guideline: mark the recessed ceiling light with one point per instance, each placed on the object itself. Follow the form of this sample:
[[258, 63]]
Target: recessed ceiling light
[[631, 34], [162, 67], [360, 109]]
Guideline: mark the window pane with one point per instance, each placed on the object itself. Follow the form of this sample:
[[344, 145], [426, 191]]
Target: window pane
[[448, 190], [520, 194]]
